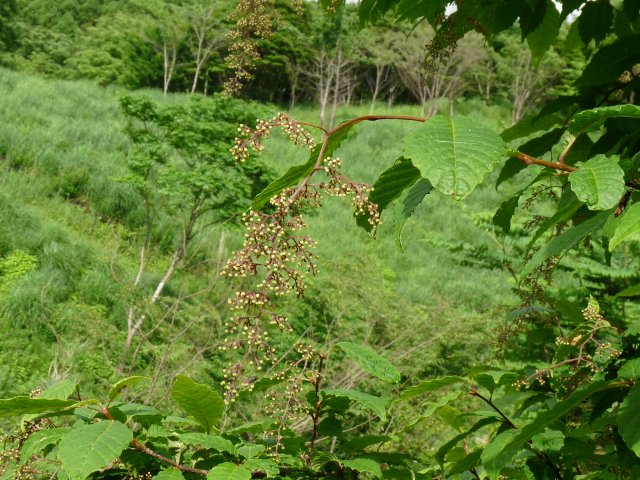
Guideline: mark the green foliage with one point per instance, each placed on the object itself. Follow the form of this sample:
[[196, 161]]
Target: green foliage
[[199, 401], [454, 154], [563, 402]]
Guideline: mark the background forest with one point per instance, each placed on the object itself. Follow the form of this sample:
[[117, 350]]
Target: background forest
[[121, 205]]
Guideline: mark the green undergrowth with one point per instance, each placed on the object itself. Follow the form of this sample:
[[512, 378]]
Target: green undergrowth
[[69, 250]]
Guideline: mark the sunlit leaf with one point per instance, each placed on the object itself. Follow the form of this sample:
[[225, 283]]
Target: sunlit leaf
[[454, 154]]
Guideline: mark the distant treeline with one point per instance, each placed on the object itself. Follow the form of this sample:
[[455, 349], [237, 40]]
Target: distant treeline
[[181, 46]]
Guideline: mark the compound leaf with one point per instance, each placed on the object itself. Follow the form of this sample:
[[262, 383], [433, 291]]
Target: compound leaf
[[454, 154]]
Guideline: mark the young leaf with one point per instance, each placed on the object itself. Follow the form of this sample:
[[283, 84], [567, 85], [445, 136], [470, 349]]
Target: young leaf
[[454, 154], [566, 240], [430, 386], [22, 405], [92, 447], [389, 186], [294, 174], [590, 120], [599, 183], [377, 404], [124, 383], [169, 474], [629, 225], [365, 465], [629, 420], [198, 400], [412, 199], [370, 361], [229, 471]]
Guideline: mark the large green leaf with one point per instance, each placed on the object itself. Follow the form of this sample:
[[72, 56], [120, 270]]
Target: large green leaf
[[198, 400], [229, 471], [124, 383], [296, 173], [389, 186], [599, 183], [92, 447], [377, 404], [589, 120], [22, 405], [629, 225], [39, 440], [502, 448], [430, 386], [454, 154], [372, 362], [566, 240], [629, 420], [412, 199]]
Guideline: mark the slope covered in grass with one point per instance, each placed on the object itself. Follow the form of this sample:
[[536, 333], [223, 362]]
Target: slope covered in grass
[[69, 245]]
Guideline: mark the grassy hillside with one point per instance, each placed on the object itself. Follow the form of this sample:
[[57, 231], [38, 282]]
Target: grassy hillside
[[69, 245]]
